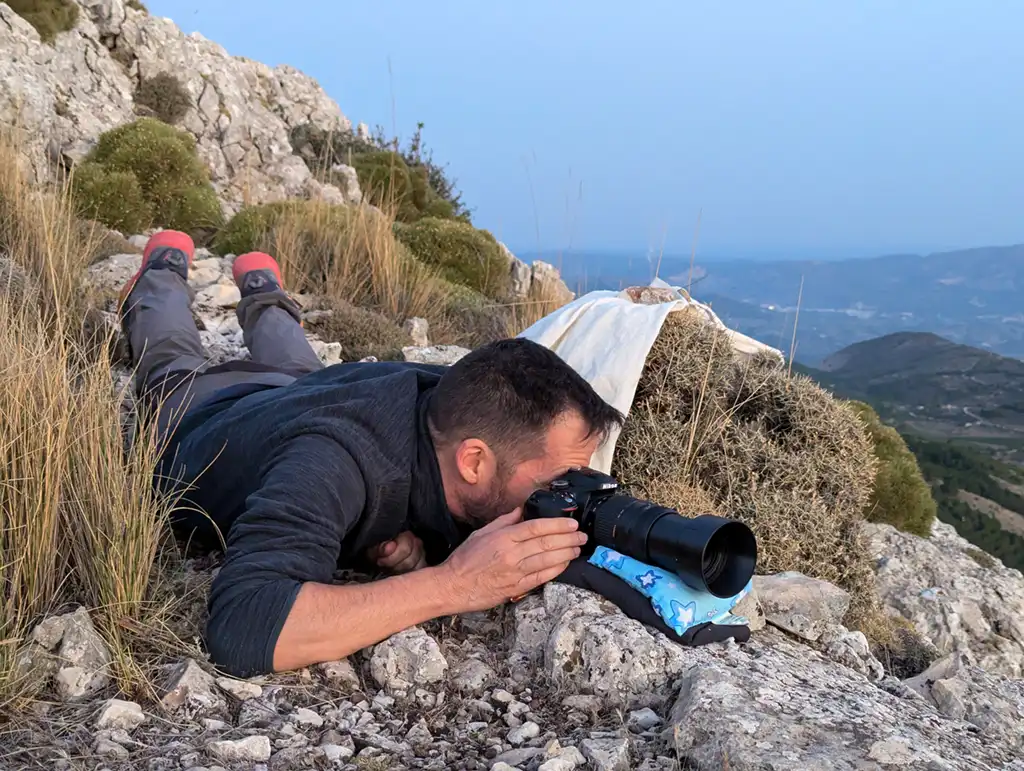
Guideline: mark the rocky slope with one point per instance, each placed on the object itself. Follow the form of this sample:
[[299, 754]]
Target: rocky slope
[[562, 680], [63, 95], [66, 94]]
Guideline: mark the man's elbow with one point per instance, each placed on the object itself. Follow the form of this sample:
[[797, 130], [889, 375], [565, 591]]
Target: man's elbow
[[242, 630], [228, 653]]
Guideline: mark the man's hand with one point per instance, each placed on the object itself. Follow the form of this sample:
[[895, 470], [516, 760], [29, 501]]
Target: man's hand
[[508, 558], [402, 554]]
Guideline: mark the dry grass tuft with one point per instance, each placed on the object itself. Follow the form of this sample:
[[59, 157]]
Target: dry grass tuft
[[78, 521], [747, 439]]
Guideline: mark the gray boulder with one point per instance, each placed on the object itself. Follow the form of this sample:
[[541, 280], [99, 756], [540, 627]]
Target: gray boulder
[[955, 603], [775, 700], [407, 660], [801, 605]]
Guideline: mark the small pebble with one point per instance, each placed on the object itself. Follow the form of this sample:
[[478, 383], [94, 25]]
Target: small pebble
[[523, 733], [501, 696]]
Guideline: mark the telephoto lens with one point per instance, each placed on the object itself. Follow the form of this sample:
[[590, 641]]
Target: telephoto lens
[[711, 554]]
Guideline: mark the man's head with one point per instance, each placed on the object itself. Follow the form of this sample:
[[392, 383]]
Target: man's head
[[506, 420]]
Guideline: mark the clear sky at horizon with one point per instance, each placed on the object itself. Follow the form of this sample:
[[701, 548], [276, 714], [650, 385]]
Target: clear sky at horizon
[[803, 128]]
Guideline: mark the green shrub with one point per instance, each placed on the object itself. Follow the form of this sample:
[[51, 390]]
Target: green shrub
[[138, 5], [165, 95], [361, 332], [386, 182], [463, 254], [404, 180], [468, 318], [901, 496], [49, 17], [247, 230], [174, 185], [112, 197]]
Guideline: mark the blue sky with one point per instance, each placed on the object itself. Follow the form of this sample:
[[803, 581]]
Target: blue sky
[[798, 128]]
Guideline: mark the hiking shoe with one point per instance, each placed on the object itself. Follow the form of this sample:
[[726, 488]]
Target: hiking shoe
[[166, 250], [257, 272]]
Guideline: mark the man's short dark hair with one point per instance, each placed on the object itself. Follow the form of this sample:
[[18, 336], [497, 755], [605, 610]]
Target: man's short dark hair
[[508, 394]]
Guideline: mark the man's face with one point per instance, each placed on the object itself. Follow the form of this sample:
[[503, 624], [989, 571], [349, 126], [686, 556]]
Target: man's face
[[500, 490]]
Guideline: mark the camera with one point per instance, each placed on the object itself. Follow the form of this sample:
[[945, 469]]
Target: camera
[[711, 554]]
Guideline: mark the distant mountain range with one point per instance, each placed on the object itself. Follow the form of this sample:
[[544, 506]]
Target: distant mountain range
[[961, 411], [972, 296], [931, 386]]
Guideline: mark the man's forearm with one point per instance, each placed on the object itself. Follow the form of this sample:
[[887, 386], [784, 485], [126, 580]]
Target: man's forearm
[[327, 622]]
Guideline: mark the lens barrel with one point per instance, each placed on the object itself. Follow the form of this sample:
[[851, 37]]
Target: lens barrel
[[711, 554]]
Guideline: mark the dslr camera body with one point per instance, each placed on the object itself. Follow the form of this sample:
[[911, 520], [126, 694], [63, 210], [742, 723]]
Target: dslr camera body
[[710, 554]]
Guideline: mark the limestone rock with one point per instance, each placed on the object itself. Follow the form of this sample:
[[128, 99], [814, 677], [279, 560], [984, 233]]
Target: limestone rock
[[962, 691], [84, 657], [241, 112], [434, 354], [643, 719], [523, 733], [611, 655], [62, 96], [126, 715], [220, 295], [252, 749], [329, 353], [406, 660], [546, 284], [541, 281], [953, 601], [240, 689], [340, 673], [851, 649], [472, 676], [750, 608], [801, 605], [347, 181], [773, 698], [587, 644], [607, 754], [191, 689], [107, 748], [418, 330]]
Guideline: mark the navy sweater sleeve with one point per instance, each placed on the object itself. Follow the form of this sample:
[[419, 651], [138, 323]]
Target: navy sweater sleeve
[[311, 494]]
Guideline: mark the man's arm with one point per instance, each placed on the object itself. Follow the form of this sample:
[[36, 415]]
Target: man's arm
[[272, 606], [310, 495], [502, 560]]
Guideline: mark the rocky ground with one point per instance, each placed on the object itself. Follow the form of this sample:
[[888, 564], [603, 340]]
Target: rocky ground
[[563, 680]]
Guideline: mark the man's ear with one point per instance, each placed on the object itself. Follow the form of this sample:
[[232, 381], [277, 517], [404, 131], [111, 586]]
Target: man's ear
[[474, 461]]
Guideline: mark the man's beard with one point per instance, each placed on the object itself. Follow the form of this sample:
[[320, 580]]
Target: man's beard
[[490, 504]]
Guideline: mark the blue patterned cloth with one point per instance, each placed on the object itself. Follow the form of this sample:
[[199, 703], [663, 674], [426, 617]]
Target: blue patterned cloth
[[680, 606]]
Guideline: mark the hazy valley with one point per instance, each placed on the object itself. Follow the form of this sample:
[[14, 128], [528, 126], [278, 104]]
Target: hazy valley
[[971, 296]]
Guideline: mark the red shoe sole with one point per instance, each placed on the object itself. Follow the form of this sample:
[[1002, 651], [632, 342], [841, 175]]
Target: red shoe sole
[[255, 261], [172, 238]]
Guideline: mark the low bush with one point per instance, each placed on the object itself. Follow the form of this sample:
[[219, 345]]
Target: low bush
[[361, 332], [901, 497], [165, 96], [403, 180], [708, 429], [463, 254], [174, 184], [49, 17], [112, 197], [388, 184], [138, 5]]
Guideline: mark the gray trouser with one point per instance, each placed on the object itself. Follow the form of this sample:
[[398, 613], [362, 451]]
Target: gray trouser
[[166, 347]]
